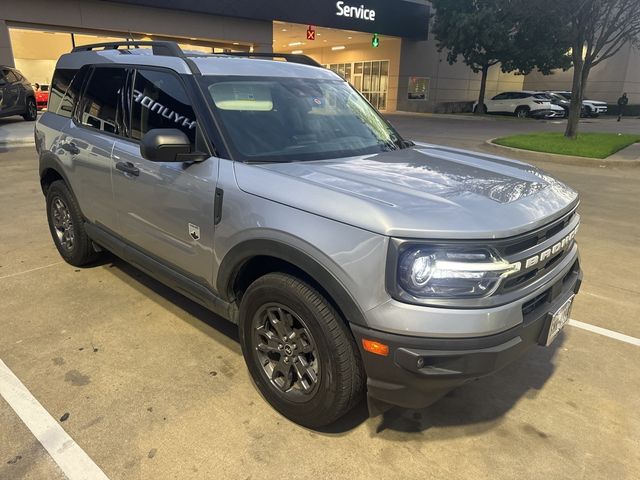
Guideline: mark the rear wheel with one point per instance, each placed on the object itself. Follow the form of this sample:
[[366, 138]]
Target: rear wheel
[[522, 112], [484, 108], [67, 226], [299, 352], [31, 110]]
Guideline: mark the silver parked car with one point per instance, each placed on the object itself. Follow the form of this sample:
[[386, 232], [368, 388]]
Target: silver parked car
[[352, 260], [17, 96]]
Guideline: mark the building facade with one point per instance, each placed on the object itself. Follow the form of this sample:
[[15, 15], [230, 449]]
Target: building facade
[[383, 47]]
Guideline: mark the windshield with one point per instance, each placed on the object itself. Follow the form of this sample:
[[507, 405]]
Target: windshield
[[565, 95], [268, 119]]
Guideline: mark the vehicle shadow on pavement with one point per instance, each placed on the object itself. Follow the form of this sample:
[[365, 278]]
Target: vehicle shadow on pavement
[[203, 317], [480, 405]]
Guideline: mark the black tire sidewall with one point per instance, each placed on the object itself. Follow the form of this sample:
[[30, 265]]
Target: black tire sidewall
[[27, 112], [320, 408], [82, 251]]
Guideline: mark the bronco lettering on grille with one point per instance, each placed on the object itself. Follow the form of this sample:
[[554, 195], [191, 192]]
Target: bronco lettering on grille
[[545, 254]]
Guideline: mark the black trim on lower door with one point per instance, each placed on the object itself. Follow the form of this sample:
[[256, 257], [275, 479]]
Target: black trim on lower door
[[180, 282]]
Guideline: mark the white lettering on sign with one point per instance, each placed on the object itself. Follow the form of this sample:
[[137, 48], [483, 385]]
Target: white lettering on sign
[[360, 12]]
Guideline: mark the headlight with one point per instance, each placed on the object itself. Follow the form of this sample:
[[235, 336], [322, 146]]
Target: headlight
[[432, 272]]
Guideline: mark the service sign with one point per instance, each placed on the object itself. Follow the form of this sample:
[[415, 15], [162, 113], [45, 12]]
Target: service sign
[[400, 18]]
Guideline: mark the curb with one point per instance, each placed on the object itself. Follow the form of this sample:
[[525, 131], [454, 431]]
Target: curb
[[564, 159]]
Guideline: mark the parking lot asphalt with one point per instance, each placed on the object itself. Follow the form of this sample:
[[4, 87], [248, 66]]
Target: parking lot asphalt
[[469, 131], [155, 386]]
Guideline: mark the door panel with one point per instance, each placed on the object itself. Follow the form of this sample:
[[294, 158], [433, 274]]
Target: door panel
[[90, 155], [165, 208], [10, 93], [157, 206], [89, 139]]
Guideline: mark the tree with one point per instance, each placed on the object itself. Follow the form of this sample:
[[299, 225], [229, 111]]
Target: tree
[[516, 34], [597, 30]]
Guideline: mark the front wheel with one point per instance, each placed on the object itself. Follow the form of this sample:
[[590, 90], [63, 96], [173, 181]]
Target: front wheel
[[299, 352], [31, 110]]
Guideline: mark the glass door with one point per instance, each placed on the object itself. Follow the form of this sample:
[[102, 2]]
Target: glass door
[[371, 78]]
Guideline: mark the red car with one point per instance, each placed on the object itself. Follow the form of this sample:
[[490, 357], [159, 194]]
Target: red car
[[42, 95]]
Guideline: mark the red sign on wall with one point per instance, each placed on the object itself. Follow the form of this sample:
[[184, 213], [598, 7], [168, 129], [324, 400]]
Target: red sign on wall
[[311, 33]]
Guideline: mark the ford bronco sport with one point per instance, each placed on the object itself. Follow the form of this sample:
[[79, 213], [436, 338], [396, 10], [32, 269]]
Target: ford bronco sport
[[272, 193]]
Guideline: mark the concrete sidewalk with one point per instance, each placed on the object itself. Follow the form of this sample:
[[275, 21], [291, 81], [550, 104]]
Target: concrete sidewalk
[[631, 153], [16, 131]]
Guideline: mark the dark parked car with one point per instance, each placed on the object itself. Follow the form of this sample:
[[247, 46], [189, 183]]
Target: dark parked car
[[17, 96]]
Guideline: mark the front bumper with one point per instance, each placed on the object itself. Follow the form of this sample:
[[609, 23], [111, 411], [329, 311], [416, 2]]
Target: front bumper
[[418, 370]]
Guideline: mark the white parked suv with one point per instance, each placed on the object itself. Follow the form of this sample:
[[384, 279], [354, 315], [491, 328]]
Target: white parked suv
[[591, 108], [523, 104]]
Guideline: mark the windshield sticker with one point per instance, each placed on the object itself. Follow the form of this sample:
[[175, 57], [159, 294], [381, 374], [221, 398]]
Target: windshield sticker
[[156, 107]]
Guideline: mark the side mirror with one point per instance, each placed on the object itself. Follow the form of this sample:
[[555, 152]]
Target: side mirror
[[168, 145]]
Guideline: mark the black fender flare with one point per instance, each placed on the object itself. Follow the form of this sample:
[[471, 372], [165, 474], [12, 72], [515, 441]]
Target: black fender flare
[[48, 162], [237, 257]]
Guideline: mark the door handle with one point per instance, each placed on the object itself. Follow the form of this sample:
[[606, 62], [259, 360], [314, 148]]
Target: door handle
[[70, 147], [128, 167]]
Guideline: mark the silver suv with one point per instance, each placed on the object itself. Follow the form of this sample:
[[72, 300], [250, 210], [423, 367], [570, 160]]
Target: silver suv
[[272, 193]]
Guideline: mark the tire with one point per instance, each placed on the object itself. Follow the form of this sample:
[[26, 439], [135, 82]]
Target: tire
[[522, 112], [484, 109], [299, 352], [588, 113], [66, 225], [31, 110]]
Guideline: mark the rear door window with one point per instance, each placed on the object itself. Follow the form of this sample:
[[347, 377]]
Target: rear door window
[[160, 101], [11, 77], [101, 106]]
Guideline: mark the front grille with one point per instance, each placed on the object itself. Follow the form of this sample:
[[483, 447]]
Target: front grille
[[534, 303], [550, 294], [531, 244]]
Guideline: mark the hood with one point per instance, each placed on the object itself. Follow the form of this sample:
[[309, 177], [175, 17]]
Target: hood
[[593, 102], [426, 191]]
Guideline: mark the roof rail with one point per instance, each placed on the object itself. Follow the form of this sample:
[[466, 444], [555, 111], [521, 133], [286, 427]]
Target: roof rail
[[171, 49], [164, 48], [289, 57]]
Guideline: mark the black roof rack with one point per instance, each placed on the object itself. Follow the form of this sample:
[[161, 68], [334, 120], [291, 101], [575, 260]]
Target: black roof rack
[[167, 49], [171, 49], [289, 57]]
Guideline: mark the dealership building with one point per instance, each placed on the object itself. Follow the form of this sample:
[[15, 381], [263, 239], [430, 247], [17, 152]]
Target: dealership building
[[383, 47]]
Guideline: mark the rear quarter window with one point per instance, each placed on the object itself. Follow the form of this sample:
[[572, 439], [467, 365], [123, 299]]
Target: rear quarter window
[[64, 91]]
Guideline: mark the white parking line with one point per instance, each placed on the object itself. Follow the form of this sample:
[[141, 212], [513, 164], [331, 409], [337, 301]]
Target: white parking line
[[31, 270], [607, 333], [71, 459]]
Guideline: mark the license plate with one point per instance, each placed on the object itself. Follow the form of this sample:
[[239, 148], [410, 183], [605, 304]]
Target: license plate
[[558, 320]]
